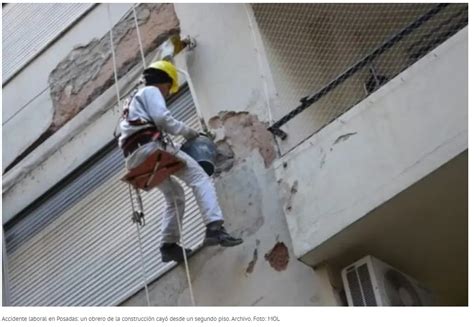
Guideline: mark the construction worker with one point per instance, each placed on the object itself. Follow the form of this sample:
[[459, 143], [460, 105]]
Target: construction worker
[[146, 120]]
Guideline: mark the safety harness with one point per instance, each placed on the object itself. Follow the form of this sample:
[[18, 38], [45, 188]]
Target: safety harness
[[140, 138], [146, 135]]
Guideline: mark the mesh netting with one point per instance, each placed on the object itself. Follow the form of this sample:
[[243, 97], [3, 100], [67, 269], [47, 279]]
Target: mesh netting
[[338, 54]]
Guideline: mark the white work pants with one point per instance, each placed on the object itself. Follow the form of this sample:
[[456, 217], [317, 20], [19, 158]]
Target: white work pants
[[194, 176]]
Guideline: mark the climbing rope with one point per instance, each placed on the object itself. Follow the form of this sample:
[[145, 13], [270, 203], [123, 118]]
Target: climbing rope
[[138, 217], [138, 35], [113, 56], [142, 259], [188, 275], [181, 239]]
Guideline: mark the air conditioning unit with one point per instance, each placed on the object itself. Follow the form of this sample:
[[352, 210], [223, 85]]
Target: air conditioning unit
[[371, 282]]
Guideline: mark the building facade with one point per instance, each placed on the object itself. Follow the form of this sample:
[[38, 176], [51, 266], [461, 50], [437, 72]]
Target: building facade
[[341, 134]]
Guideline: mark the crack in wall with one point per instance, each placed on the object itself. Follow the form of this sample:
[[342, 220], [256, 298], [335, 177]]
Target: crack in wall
[[344, 137], [252, 263], [288, 193]]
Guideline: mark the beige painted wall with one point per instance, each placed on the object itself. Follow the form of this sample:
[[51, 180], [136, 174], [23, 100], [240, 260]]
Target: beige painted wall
[[227, 76]]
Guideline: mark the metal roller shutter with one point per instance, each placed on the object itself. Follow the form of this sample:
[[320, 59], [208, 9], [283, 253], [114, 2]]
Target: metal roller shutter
[[28, 28], [79, 247]]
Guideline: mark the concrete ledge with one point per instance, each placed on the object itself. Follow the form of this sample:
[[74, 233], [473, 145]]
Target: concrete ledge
[[401, 133]]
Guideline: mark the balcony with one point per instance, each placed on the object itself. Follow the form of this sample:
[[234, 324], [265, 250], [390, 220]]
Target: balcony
[[389, 177], [371, 124]]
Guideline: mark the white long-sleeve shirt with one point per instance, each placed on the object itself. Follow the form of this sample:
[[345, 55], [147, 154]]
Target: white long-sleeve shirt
[[149, 105]]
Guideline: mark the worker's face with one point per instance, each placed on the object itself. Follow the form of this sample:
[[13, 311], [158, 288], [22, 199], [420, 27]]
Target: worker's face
[[165, 89]]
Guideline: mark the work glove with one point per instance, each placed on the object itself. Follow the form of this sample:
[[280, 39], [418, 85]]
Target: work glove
[[190, 133]]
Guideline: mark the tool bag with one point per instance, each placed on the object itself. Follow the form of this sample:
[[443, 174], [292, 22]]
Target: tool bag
[[155, 169]]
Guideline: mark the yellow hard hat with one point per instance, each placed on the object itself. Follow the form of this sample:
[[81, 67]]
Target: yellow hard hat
[[169, 69]]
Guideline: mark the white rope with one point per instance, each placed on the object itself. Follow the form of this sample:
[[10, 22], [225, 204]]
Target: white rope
[[188, 275], [142, 257], [113, 56], [139, 37], [129, 188]]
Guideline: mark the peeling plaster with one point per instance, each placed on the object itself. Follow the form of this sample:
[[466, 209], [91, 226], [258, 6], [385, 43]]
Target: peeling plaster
[[243, 133], [87, 72], [88, 69], [252, 263], [288, 193], [278, 257], [225, 157]]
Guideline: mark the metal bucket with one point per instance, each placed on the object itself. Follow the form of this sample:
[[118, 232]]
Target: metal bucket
[[204, 151]]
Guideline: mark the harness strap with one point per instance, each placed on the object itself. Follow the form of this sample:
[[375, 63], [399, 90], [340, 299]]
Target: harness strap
[[141, 137]]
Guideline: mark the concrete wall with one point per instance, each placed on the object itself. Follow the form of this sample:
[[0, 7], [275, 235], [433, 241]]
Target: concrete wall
[[262, 271], [401, 133], [226, 69], [216, 92], [233, 90]]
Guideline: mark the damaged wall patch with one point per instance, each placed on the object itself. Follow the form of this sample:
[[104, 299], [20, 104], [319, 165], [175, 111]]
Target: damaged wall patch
[[252, 263], [278, 257], [244, 133]]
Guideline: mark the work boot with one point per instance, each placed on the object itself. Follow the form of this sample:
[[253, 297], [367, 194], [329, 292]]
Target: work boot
[[217, 235], [173, 252]]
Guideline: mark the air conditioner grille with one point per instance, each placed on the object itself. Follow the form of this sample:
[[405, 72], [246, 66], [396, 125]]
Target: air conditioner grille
[[354, 286], [371, 282], [367, 287]]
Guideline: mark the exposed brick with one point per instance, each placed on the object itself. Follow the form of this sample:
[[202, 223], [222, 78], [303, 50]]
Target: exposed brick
[[278, 257], [88, 70]]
